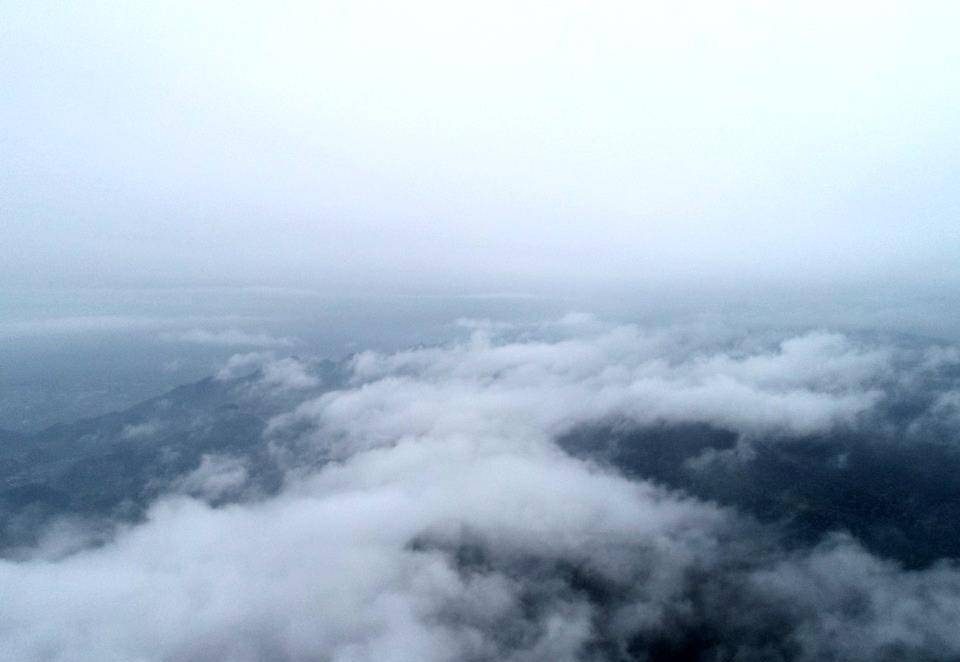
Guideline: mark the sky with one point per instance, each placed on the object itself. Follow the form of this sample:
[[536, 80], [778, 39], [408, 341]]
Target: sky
[[479, 147]]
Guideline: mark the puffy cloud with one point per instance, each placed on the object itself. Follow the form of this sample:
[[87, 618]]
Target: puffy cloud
[[288, 373], [240, 365], [445, 523], [217, 476], [850, 605], [273, 374], [330, 570], [535, 388]]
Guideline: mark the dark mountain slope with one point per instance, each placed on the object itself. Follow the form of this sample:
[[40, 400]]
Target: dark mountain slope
[[112, 467]]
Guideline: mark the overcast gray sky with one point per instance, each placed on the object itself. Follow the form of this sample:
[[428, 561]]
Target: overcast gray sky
[[478, 145]]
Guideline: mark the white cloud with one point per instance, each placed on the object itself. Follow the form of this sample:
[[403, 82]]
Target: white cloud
[[288, 373], [532, 389], [239, 365], [285, 374], [451, 527], [216, 476]]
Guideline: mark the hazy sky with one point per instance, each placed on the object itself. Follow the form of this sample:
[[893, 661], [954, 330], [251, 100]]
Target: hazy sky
[[502, 145]]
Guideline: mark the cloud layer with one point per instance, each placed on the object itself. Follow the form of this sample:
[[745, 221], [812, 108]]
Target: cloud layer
[[428, 513]]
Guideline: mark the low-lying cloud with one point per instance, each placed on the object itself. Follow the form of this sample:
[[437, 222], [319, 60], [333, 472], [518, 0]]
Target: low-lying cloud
[[432, 511]]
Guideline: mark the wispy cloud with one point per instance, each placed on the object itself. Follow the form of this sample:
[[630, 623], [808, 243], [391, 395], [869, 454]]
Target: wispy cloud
[[229, 338]]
